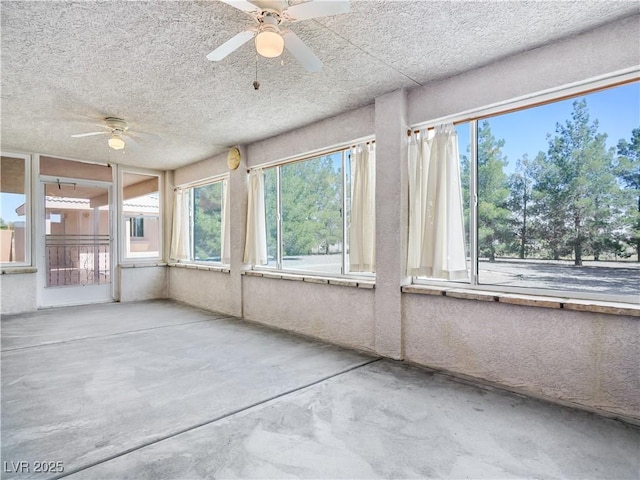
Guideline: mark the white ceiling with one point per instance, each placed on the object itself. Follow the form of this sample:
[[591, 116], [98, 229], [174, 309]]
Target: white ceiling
[[67, 64]]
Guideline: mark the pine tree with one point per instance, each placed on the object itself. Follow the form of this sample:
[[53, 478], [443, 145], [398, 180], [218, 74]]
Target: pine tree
[[493, 194], [575, 187], [520, 203], [627, 170], [550, 212]]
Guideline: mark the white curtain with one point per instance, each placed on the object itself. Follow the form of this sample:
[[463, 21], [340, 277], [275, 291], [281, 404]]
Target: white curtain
[[180, 242], [436, 225], [362, 231], [225, 248], [255, 247]]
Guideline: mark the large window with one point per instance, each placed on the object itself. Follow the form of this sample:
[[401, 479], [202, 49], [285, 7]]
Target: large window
[[141, 212], [558, 196], [15, 214], [307, 213]]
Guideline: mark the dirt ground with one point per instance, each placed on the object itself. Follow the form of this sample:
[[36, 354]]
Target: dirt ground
[[604, 278]]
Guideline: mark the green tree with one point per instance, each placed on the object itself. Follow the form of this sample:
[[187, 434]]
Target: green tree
[[549, 208], [575, 187], [466, 194], [271, 210], [627, 169], [311, 206], [520, 203], [493, 194], [207, 228]]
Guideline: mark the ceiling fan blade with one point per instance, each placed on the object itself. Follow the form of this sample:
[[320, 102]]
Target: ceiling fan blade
[[230, 45], [79, 135], [301, 52], [242, 5], [143, 135], [130, 142], [317, 8]]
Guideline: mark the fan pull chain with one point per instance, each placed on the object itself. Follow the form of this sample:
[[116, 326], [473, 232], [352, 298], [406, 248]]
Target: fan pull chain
[[256, 83]]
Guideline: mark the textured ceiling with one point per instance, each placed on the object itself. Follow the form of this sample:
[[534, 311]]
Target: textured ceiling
[[66, 65]]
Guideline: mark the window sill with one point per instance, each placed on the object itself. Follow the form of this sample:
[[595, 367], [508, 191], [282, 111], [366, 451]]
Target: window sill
[[344, 282], [13, 270], [143, 265], [611, 308], [198, 266]]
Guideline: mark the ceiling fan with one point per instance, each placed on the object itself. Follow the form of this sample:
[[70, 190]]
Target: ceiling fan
[[118, 129], [271, 38]]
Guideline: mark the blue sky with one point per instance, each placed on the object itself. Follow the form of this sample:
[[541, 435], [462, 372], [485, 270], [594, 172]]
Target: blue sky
[[10, 201], [616, 109]]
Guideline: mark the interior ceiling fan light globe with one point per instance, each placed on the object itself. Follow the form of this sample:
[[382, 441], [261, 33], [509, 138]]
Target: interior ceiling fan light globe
[[269, 42], [116, 142]]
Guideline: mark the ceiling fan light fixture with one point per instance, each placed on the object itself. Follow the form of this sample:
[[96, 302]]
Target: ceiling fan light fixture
[[116, 142], [269, 42]]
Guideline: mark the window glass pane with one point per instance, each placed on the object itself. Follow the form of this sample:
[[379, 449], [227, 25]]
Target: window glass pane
[[13, 218], [271, 214], [464, 148], [312, 214], [207, 222], [559, 195], [141, 209], [137, 227]]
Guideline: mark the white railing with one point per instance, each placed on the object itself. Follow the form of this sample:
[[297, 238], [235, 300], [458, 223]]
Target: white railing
[[77, 260]]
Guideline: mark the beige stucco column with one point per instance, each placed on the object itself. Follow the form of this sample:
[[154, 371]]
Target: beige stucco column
[[391, 220], [238, 184]]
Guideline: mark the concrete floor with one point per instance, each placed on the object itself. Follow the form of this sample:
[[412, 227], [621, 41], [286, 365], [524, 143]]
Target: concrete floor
[[161, 390]]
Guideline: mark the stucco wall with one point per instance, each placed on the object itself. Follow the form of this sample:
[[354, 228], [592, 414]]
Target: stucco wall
[[18, 293], [575, 59], [210, 290], [589, 359], [143, 283], [336, 314], [209, 167], [328, 133]]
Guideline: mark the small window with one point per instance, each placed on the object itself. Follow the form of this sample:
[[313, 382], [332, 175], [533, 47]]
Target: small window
[[15, 217], [203, 237], [206, 222], [137, 227], [141, 212]]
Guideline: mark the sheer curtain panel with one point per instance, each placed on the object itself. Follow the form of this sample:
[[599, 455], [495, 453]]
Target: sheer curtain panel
[[255, 247], [180, 244], [362, 231], [436, 224]]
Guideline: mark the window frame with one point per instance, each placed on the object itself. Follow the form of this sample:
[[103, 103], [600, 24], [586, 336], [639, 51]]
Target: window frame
[[28, 222], [191, 188], [345, 150], [122, 216], [473, 117]]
